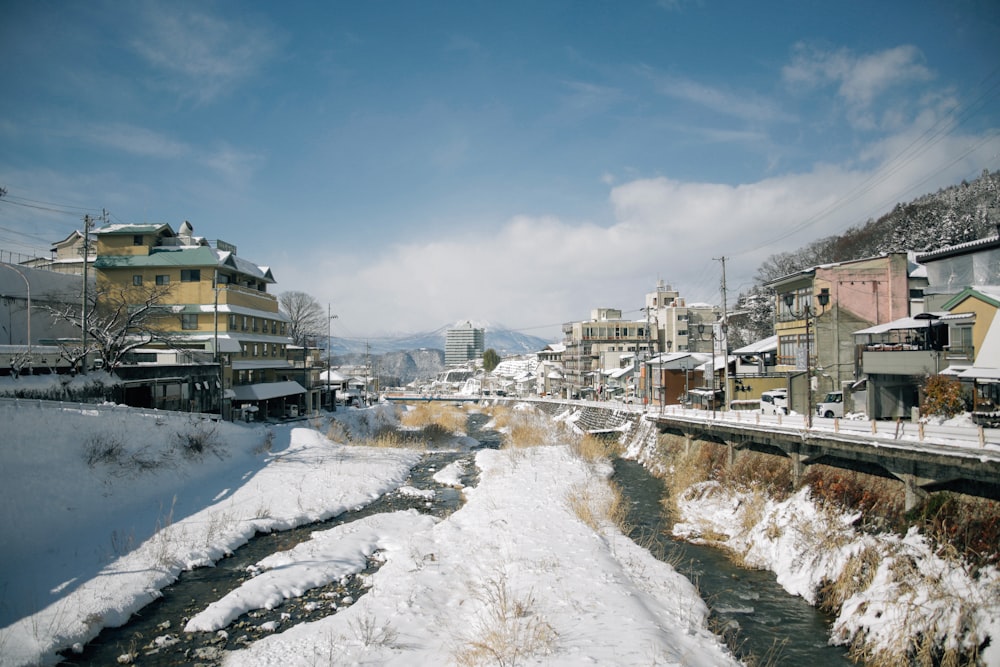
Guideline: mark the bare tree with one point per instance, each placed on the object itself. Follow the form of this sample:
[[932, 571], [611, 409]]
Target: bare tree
[[307, 319], [119, 320]]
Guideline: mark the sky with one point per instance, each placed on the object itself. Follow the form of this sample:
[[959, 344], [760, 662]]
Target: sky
[[414, 165]]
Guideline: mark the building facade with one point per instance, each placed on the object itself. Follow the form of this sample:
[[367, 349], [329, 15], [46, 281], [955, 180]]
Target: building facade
[[818, 310], [463, 344], [600, 343], [213, 301]]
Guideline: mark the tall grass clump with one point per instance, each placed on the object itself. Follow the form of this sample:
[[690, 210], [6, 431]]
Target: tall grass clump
[[599, 504], [592, 448], [446, 416], [508, 629]]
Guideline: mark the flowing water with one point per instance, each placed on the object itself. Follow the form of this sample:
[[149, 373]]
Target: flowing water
[[155, 634], [748, 607]]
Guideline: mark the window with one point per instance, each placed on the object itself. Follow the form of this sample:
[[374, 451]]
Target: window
[[189, 321], [244, 322], [137, 280], [232, 322], [137, 239], [163, 279], [190, 275]]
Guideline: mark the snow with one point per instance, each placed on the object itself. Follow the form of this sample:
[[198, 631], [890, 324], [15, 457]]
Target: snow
[[514, 569], [913, 592]]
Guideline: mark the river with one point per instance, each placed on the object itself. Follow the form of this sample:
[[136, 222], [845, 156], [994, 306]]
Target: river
[[755, 614]]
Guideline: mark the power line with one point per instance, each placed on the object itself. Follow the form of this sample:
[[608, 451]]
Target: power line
[[931, 136]]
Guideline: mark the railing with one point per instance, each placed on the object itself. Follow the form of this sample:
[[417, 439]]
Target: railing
[[97, 409]]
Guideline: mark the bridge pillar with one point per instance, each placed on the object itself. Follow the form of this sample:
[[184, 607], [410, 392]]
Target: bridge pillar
[[915, 494], [798, 467]]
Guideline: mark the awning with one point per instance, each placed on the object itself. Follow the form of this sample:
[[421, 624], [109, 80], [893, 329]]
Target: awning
[[267, 390], [227, 344], [981, 373]]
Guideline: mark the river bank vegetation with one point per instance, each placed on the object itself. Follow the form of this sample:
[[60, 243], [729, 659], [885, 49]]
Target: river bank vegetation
[[905, 588]]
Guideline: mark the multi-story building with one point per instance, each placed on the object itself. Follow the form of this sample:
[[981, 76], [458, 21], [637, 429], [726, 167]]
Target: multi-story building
[[599, 343], [463, 344], [674, 323], [818, 310], [214, 302]]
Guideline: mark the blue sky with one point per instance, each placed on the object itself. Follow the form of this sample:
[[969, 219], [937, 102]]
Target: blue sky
[[415, 164]]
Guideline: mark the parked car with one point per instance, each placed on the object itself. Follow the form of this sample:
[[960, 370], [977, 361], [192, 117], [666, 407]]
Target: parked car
[[831, 406], [774, 402]]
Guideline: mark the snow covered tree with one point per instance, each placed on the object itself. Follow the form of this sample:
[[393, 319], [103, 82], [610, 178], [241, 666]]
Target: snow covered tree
[[119, 320], [306, 317]]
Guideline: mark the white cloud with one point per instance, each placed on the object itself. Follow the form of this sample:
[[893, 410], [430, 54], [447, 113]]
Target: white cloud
[[135, 140], [738, 104], [537, 270], [201, 56], [860, 79]]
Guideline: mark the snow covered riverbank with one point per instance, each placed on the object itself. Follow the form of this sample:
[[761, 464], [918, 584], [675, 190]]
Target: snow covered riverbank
[[900, 597], [515, 570]]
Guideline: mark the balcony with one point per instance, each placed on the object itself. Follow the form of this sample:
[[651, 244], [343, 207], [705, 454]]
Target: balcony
[[903, 360], [234, 295]]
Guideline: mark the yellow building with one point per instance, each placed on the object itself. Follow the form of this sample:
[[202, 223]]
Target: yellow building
[[213, 301]]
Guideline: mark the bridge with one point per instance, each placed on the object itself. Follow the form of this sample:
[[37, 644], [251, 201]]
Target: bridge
[[926, 458]]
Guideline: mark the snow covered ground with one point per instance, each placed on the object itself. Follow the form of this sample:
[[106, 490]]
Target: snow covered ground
[[101, 509]]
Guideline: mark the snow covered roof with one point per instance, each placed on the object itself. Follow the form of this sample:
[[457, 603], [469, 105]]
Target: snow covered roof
[[768, 344], [267, 390], [136, 228], [959, 249]]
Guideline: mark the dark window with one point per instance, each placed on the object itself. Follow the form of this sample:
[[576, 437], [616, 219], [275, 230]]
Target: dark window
[[232, 323], [163, 279], [137, 239], [189, 321], [137, 280], [190, 275]]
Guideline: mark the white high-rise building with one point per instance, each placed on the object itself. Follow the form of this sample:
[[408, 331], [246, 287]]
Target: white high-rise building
[[463, 343]]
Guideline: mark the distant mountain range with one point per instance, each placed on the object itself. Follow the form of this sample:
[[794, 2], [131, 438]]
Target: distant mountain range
[[505, 341]]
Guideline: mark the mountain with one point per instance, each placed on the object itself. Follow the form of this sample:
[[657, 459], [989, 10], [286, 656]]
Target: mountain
[[505, 341]]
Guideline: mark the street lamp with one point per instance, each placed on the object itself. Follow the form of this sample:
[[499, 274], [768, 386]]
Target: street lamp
[[701, 332], [329, 353], [807, 313]]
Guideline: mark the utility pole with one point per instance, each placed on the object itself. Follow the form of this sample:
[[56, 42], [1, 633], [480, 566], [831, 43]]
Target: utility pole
[[725, 337], [86, 260]]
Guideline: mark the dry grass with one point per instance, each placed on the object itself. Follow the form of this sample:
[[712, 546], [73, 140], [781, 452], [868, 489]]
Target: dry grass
[[447, 416], [389, 438], [592, 448], [598, 505], [856, 576], [508, 630]]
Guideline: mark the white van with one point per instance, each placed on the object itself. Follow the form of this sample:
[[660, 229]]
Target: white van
[[831, 406], [774, 402]]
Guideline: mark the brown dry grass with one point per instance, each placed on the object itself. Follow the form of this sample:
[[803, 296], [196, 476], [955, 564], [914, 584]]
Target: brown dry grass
[[447, 416], [508, 631], [599, 504], [592, 448]]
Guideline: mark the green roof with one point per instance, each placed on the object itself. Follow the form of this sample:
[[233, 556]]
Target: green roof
[[194, 257]]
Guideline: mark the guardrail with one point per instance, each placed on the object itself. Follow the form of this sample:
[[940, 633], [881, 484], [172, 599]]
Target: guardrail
[[898, 431]]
